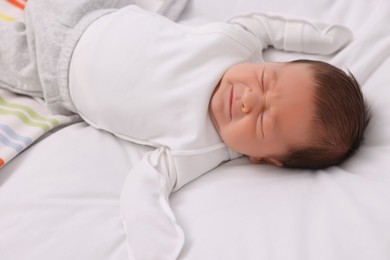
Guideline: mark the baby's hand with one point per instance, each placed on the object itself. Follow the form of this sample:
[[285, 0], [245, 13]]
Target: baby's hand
[[316, 38]]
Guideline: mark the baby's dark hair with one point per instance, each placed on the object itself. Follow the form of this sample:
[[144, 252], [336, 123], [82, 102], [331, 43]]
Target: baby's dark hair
[[340, 120]]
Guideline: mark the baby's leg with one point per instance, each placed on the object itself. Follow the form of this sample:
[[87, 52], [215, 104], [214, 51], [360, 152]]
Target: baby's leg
[[17, 60], [30, 49]]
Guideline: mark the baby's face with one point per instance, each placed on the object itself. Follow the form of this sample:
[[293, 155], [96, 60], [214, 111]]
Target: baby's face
[[264, 110]]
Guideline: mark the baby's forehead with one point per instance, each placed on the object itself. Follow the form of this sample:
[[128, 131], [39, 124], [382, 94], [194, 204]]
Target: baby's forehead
[[291, 98]]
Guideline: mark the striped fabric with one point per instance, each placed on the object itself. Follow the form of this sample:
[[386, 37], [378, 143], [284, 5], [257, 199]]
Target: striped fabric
[[22, 119]]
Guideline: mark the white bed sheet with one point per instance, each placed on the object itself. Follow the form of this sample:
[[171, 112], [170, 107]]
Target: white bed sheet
[[60, 198]]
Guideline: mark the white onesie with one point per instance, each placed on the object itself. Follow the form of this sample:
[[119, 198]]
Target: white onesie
[[148, 80]]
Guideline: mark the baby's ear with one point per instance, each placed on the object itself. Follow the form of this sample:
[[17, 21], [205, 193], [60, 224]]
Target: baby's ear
[[265, 160]]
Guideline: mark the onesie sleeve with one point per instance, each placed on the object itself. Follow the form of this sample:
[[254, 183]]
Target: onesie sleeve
[[294, 34], [151, 227]]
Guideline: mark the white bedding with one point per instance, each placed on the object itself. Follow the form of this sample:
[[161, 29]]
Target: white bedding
[[60, 198]]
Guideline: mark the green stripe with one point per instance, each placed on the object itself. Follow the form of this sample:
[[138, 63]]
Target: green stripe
[[25, 119], [29, 111]]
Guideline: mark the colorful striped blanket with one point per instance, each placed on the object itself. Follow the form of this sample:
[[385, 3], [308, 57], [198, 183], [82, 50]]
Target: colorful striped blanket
[[11, 10], [22, 119]]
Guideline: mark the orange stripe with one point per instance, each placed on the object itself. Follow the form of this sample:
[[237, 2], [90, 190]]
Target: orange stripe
[[16, 3], [1, 162]]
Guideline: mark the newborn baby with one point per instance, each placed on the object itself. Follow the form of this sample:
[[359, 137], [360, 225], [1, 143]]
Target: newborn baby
[[199, 95]]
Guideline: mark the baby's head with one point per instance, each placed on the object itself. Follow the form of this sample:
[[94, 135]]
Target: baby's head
[[300, 114]]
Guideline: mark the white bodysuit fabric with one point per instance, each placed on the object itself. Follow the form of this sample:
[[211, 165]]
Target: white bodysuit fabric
[[148, 80]]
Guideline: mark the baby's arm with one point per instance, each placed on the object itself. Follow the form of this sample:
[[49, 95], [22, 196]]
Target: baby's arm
[[151, 226], [294, 34]]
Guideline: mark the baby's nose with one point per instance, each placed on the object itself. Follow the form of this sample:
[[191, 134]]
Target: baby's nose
[[251, 101]]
